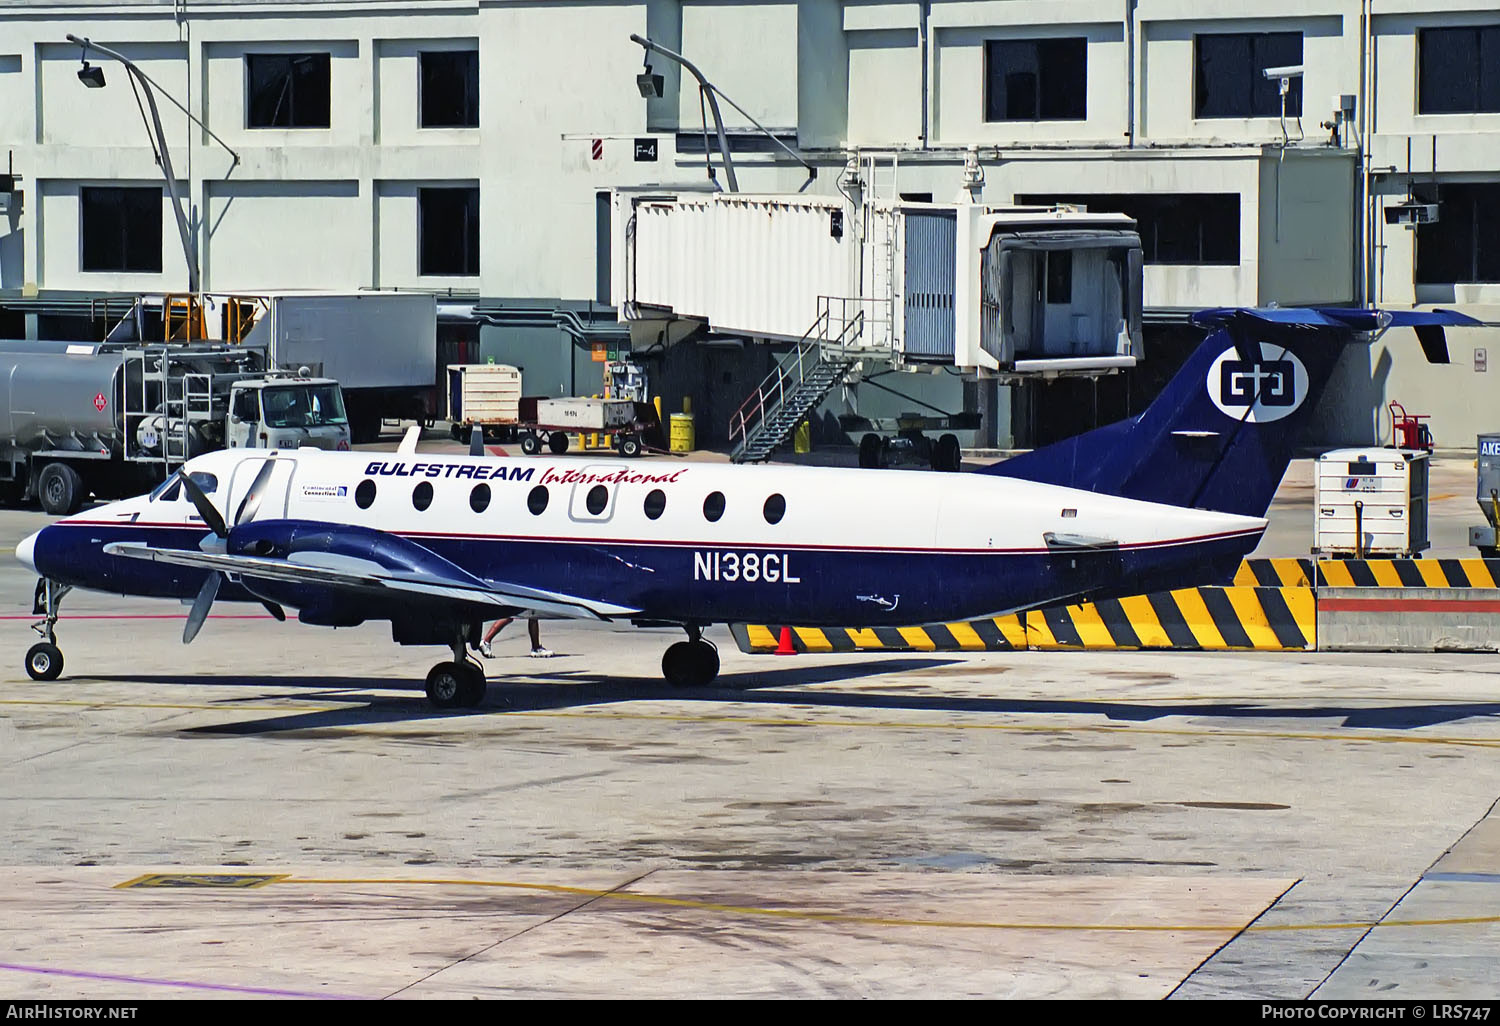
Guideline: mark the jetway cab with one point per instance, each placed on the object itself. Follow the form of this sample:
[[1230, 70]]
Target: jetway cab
[[1001, 293]]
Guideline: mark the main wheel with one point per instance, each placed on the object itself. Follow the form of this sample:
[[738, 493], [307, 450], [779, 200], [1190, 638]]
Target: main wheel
[[869, 451], [558, 443], [60, 489], [690, 664], [471, 695], [447, 684], [531, 444], [630, 446], [44, 661]]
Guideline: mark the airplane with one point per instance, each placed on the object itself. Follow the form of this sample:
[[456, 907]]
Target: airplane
[[438, 544]]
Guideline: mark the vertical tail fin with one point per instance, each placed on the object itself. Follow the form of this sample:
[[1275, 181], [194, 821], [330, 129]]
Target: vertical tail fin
[[1220, 435]]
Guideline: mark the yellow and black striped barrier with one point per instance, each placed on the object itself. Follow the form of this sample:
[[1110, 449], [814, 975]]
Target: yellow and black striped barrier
[[1369, 573], [1275, 619]]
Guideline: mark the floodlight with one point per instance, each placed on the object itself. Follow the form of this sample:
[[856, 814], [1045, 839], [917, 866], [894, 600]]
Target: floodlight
[[651, 86], [91, 76]]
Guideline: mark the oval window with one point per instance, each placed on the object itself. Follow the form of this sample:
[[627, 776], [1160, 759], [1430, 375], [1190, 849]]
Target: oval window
[[597, 499], [421, 495], [656, 503], [713, 506], [364, 495], [536, 501], [775, 509], [479, 498]]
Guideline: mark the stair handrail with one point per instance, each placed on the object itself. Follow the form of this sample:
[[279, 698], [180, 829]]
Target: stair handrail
[[771, 392]]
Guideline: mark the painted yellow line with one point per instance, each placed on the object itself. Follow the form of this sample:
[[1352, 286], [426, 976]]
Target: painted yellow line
[[814, 639], [82, 704], [1336, 573], [967, 638], [844, 917], [1478, 573], [761, 636], [1246, 604], [1197, 617], [1090, 627], [1013, 627], [864, 637], [1384, 572], [1143, 620], [1432, 573]]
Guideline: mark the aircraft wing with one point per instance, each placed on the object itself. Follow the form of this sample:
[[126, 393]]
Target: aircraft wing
[[370, 579]]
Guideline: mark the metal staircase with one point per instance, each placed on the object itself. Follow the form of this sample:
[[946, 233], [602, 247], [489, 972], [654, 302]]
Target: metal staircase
[[799, 382]]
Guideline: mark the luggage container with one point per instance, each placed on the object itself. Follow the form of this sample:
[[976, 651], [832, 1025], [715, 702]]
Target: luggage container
[[1371, 502], [486, 394]]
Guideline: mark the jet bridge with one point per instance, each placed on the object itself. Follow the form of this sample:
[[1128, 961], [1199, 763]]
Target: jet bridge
[[1011, 293]]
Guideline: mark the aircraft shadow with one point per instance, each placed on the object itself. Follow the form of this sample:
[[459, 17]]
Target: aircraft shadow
[[543, 691]]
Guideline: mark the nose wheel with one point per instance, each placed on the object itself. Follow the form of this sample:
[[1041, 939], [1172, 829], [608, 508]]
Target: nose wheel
[[44, 660], [691, 664]]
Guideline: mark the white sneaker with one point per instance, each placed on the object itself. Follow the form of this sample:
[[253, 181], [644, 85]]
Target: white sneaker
[[485, 650], [541, 653]]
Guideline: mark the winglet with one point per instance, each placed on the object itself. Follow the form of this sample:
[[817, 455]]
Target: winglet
[[409, 441]]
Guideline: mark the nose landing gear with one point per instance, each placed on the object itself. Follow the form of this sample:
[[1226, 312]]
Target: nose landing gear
[[44, 660], [693, 663]]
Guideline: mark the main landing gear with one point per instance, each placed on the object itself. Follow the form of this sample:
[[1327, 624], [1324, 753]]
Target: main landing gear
[[44, 660], [459, 684], [693, 663]]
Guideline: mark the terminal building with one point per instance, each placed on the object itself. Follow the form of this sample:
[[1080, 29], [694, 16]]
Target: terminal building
[[1326, 153]]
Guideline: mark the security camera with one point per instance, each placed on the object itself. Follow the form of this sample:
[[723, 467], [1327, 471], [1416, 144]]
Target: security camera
[[1285, 71]]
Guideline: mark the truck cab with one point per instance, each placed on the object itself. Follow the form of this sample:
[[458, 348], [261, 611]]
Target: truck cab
[[286, 413]]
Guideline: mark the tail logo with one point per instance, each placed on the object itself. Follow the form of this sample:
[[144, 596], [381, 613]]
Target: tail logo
[[1258, 391]]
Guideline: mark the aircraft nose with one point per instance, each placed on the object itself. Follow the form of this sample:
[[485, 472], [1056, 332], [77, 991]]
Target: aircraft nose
[[25, 551]]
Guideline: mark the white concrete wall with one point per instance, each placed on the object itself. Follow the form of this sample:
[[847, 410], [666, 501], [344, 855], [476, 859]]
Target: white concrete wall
[[320, 231], [60, 241]]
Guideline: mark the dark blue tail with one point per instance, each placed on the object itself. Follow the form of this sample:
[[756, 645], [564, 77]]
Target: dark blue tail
[[1220, 435]]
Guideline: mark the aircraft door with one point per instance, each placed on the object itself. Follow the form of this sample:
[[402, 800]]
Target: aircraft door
[[273, 503], [593, 499]]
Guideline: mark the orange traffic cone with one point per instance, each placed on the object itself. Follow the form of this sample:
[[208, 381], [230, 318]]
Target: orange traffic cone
[[784, 646]]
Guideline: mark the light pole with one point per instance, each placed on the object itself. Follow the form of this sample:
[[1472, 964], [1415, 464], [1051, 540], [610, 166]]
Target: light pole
[[93, 77]]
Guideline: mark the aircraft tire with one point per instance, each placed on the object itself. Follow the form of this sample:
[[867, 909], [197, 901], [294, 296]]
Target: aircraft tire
[[446, 683], [471, 696], [531, 444], [44, 661], [689, 664], [706, 657]]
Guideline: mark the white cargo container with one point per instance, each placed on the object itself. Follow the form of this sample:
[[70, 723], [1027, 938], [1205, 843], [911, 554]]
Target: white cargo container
[[488, 394], [585, 414], [1370, 502]]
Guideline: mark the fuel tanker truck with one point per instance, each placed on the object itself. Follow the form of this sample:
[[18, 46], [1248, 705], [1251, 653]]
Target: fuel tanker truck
[[110, 421]]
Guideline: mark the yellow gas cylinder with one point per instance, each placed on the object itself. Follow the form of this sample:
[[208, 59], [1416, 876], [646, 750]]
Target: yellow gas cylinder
[[802, 437], [682, 432]]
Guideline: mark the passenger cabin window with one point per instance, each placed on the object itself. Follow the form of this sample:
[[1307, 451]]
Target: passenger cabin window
[[449, 88], [479, 498], [1228, 80], [364, 495], [287, 90], [121, 229], [1036, 79], [775, 509], [421, 495], [536, 500], [713, 506], [656, 503], [597, 500]]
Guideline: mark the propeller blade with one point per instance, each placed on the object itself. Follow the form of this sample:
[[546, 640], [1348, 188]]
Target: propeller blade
[[206, 510], [274, 610], [250, 505], [476, 441], [201, 605]]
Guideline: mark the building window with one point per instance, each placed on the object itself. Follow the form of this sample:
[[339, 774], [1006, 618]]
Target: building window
[[449, 88], [1176, 228], [121, 229], [1035, 79], [1228, 79], [1458, 70], [449, 231], [1462, 246], [287, 90]]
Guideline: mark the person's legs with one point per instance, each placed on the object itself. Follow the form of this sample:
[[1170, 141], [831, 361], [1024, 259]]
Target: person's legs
[[489, 636], [536, 638]]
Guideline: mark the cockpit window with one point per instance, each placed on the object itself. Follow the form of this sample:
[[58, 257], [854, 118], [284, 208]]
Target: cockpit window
[[170, 490]]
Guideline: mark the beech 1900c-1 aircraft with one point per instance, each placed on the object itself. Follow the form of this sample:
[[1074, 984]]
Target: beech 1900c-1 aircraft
[[437, 544]]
